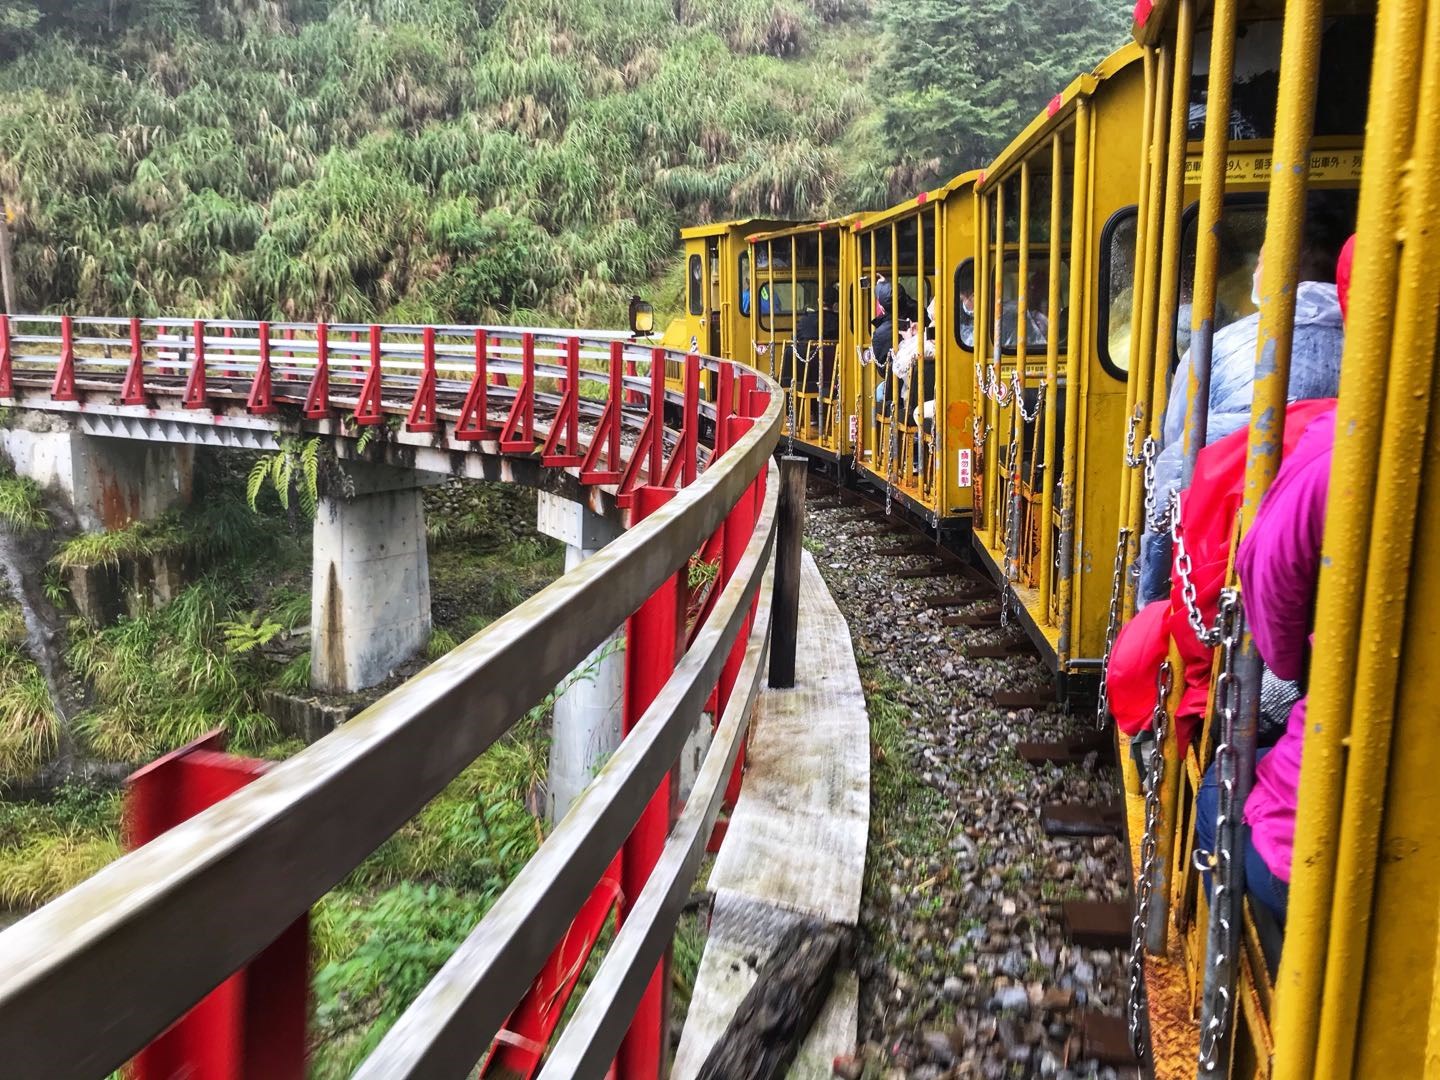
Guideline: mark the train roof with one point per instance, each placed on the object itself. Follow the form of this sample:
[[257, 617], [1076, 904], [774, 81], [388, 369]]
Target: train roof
[[1061, 108], [744, 225], [873, 220], [801, 228]]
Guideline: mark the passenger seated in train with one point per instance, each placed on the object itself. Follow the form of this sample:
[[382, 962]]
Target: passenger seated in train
[[812, 330], [1278, 563], [882, 335], [1037, 322], [965, 305], [1314, 373]]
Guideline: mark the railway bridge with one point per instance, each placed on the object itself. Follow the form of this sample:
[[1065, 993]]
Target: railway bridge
[[188, 956]]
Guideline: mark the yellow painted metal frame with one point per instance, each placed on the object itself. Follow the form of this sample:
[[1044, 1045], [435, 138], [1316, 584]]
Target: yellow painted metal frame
[[1062, 593], [830, 434]]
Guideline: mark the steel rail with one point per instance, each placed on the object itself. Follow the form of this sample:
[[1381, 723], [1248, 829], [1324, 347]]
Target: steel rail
[[234, 876], [446, 1030], [588, 1044]]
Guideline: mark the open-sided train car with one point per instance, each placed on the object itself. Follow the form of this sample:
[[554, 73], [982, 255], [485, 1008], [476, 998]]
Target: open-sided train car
[[1253, 127], [1053, 396], [802, 328], [912, 429], [716, 320]]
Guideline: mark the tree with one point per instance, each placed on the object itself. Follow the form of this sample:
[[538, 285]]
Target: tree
[[959, 78]]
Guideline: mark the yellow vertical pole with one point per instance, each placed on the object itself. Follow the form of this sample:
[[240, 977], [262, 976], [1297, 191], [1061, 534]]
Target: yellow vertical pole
[[754, 314], [994, 529], [789, 343], [1142, 347], [1158, 926], [1015, 523], [943, 349], [770, 278], [819, 346], [892, 440], [1046, 472], [1389, 126], [1294, 123], [1207, 248], [1074, 344], [1375, 921], [979, 412], [872, 429], [1140, 280]]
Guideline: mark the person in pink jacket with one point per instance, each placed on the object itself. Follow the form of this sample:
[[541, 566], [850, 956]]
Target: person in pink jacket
[[1279, 566], [1278, 563]]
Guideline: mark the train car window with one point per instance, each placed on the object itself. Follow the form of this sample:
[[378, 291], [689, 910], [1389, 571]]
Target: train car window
[[963, 305], [745, 284], [1117, 291], [697, 286], [784, 305], [1242, 231], [1037, 313], [1346, 48]]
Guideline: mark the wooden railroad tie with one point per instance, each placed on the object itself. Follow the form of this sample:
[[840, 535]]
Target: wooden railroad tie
[[985, 617], [882, 530], [1097, 924], [968, 595], [1013, 647], [934, 569], [1104, 1038], [1068, 751], [1082, 819], [911, 547], [1036, 698]]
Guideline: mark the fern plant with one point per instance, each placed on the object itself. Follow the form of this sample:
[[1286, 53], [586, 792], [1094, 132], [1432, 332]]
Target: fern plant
[[253, 633], [293, 470]]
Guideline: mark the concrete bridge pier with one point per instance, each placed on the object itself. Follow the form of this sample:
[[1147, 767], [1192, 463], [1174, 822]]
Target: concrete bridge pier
[[108, 482], [370, 583], [589, 710]]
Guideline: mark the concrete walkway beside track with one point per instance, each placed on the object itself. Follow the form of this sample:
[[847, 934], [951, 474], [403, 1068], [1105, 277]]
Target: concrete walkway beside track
[[796, 842]]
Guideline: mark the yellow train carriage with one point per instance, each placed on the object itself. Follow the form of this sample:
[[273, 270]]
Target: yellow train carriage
[[1253, 130], [802, 329], [717, 289], [1053, 377], [913, 435]]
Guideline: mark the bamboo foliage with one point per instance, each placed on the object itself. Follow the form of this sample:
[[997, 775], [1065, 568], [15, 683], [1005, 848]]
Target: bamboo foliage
[[352, 159]]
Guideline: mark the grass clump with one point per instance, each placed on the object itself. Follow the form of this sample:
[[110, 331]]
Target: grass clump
[[48, 848], [167, 676], [29, 726], [21, 504]]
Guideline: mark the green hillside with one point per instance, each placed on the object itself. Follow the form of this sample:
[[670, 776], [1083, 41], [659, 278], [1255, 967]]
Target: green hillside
[[412, 159], [499, 159]]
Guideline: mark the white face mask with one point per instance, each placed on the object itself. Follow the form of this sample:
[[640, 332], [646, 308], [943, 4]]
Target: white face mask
[[1255, 292], [967, 306]]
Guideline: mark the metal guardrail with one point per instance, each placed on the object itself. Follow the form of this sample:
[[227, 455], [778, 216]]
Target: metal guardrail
[[169, 921]]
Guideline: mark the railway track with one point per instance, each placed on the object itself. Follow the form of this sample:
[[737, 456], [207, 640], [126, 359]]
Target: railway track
[[989, 948]]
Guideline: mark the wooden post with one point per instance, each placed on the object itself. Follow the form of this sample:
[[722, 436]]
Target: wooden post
[[787, 572], [7, 268]]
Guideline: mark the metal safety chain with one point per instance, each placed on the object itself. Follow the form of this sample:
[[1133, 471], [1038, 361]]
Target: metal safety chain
[[1221, 862], [790, 402], [1131, 461], [1031, 416], [1158, 520], [1140, 921], [1112, 628], [1012, 528], [1183, 568]]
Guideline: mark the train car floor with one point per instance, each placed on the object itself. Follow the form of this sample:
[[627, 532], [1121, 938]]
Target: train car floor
[[795, 845]]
